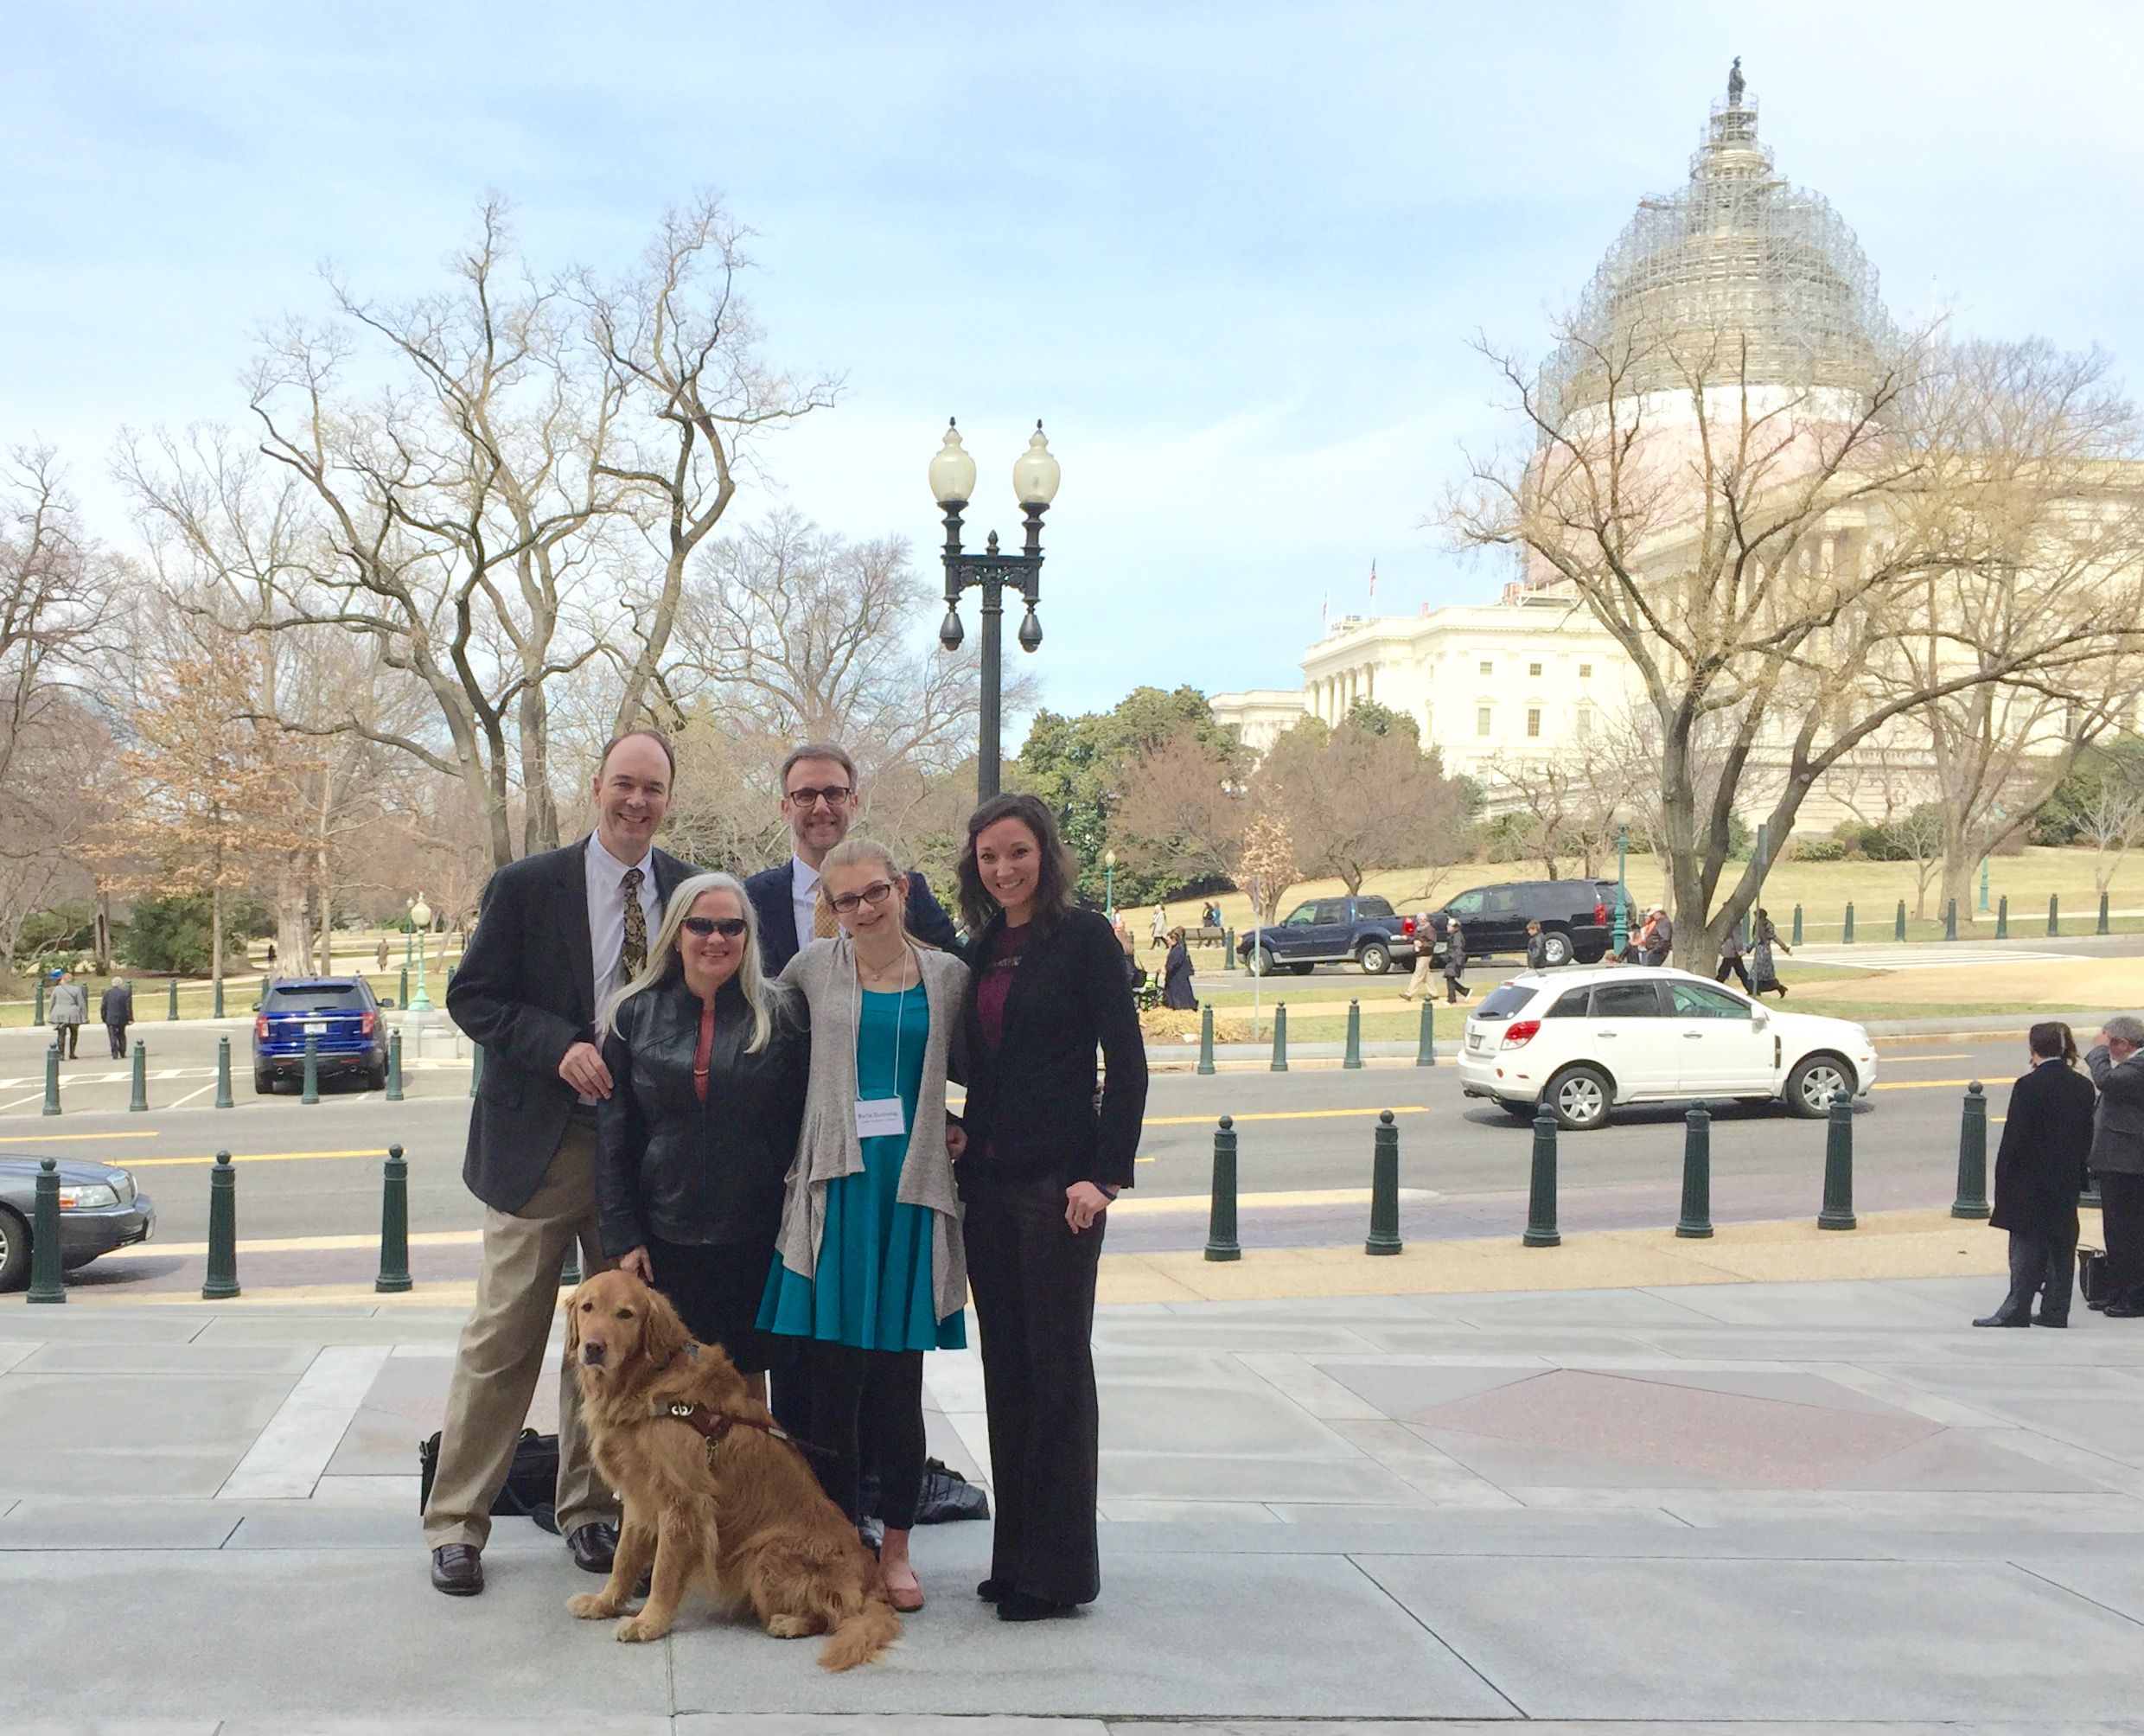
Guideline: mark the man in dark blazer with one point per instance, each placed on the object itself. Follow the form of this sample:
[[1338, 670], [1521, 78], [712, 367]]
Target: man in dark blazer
[[2116, 1064], [2039, 1170], [818, 801], [556, 934]]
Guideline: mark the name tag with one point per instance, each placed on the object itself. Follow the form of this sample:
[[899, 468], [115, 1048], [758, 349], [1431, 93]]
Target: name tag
[[876, 1117]]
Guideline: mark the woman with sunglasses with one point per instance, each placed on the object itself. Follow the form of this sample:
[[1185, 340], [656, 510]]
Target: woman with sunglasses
[[707, 1061], [869, 1271]]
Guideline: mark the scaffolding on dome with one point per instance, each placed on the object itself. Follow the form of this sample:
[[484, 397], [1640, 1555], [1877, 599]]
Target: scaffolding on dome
[[1738, 253]]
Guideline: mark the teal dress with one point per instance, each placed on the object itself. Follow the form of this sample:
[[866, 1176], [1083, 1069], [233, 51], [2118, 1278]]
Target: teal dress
[[873, 1288]]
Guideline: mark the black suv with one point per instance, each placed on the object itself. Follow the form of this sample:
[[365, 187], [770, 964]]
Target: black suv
[[1575, 917], [1362, 931]]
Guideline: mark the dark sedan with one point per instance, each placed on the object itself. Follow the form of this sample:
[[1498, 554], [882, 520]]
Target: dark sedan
[[100, 1208]]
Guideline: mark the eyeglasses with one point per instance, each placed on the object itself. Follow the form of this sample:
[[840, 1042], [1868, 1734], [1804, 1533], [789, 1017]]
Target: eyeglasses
[[728, 927], [833, 795], [874, 895]]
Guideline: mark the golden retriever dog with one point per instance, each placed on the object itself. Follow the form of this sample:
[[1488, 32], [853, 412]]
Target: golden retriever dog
[[741, 1515]]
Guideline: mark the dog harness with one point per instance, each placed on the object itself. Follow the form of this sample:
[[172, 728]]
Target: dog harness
[[714, 1426]]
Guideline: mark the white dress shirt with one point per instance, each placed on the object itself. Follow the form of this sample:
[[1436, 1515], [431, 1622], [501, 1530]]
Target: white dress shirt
[[804, 898], [606, 913]]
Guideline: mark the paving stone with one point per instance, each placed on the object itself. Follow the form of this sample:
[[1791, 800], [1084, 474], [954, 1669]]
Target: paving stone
[[1231, 1477], [1956, 1459], [102, 1356], [82, 1435], [16, 1351], [48, 1524], [1408, 1391], [880, 1724]]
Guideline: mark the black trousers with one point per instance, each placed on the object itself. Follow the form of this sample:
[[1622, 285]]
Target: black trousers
[[68, 1038], [715, 1287], [2122, 1216], [1735, 965], [118, 1034], [1454, 988], [862, 1400], [1033, 1280], [2043, 1267]]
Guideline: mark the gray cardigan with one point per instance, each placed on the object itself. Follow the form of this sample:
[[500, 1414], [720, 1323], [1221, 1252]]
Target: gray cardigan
[[825, 973]]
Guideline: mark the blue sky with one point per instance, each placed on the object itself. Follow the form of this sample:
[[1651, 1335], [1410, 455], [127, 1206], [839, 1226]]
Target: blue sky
[[1233, 254]]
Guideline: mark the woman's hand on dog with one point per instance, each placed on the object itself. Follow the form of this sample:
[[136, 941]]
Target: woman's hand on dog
[[637, 1262]]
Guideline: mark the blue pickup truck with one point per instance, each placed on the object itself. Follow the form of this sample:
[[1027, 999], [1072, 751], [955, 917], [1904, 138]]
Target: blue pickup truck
[[1362, 931]]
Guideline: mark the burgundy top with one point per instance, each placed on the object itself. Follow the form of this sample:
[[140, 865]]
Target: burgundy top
[[995, 984], [702, 1050]]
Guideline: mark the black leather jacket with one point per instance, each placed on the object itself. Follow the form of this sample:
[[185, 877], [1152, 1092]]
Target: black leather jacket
[[689, 1173]]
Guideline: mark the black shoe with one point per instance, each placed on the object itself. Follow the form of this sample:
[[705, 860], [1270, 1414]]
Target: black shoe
[[2046, 1319], [2019, 1319], [1020, 1606], [990, 1591], [2127, 1309], [457, 1569], [595, 1545]]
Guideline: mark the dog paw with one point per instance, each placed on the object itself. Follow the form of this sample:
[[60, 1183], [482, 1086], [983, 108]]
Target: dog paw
[[639, 1629], [591, 1606], [788, 1627]]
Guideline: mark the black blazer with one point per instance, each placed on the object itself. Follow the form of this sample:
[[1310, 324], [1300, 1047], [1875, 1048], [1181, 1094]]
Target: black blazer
[[2040, 1167], [1031, 1104], [525, 990], [769, 889]]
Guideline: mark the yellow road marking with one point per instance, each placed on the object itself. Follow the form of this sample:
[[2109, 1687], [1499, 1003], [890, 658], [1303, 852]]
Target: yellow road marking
[[299, 1244], [1144, 1207], [65, 1138], [260, 1157], [1283, 1115], [1902, 1059], [1920, 1084]]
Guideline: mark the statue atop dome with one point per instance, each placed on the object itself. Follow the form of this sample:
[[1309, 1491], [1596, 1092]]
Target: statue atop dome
[[1735, 84]]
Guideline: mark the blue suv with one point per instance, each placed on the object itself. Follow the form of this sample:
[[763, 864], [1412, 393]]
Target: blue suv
[[338, 1012]]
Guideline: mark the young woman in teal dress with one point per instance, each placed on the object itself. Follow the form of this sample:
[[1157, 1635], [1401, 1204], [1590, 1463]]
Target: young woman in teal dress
[[869, 1270]]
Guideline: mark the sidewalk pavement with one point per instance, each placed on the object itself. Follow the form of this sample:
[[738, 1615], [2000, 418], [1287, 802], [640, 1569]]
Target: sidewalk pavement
[[1827, 1502]]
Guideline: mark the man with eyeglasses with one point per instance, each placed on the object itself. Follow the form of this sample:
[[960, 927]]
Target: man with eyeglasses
[[818, 801]]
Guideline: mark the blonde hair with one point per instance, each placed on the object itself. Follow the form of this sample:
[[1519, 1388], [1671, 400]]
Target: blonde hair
[[854, 852], [665, 962]]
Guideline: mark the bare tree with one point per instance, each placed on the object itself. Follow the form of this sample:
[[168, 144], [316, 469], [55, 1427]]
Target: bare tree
[[1354, 802], [1182, 811]]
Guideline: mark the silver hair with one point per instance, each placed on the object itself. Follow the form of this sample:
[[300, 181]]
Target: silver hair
[[665, 962], [2127, 1026]]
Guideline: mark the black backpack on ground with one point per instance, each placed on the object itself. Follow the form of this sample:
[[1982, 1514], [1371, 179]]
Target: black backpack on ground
[[530, 1490]]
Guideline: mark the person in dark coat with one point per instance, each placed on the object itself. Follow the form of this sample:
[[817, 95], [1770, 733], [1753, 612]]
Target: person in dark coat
[[1730, 958], [1536, 948], [2117, 1067], [1455, 963], [1763, 968], [1175, 975], [115, 1006], [2039, 1171]]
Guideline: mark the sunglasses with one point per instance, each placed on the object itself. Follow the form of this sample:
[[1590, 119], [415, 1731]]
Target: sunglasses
[[874, 895], [728, 927]]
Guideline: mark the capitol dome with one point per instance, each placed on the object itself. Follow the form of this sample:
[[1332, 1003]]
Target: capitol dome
[[1737, 255]]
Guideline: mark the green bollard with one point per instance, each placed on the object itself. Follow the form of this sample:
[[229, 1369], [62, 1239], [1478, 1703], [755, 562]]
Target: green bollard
[[1972, 1200], [2002, 917], [1696, 1222], [1540, 1198], [394, 1067], [220, 1282], [37, 1014], [1280, 1039], [1426, 1046], [476, 1067], [1897, 928], [52, 1080], [223, 1073], [1227, 949], [1221, 1242], [46, 1281], [311, 1093], [1351, 1057], [217, 1010], [1384, 1187], [570, 1268], [1951, 920], [2054, 913], [171, 1001], [403, 998], [394, 1226], [1795, 938], [1838, 1209], [2101, 929], [138, 1102], [1846, 937], [1206, 1041]]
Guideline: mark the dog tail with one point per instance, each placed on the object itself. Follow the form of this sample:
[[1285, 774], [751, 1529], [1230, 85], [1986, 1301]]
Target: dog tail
[[862, 1637]]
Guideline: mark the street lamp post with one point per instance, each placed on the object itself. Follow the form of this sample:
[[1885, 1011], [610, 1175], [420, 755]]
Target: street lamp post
[[1109, 883], [1621, 938], [1035, 479], [420, 923]]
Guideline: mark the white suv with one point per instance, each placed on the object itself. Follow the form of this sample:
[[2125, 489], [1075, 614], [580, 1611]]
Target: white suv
[[1585, 1040]]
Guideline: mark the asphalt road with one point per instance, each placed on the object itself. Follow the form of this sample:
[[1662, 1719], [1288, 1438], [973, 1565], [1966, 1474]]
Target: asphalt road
[[311, 1173]]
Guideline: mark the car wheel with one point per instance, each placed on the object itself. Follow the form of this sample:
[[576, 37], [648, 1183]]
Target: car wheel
[[1581, 1098], [1299, 970], [1817, 1079], [1555, 947], [376, 1078], [1262, 962], [14, 1251], [1376, 958]]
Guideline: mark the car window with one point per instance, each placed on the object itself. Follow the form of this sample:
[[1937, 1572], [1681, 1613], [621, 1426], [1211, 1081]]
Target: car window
[[1301, 917], [1373, 907], [1626, 1000], [1696, 1000], [1330, 911], [1503, 1001], [1570, 1004], [1498, 903], [1466, 905], [321, 997]]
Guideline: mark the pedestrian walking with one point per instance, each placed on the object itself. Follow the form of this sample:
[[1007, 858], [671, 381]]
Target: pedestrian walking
[[706, 1060], [871, 1270], [1044, 1155], [115, 1006], [2039, 1171], [1730, 958], [1455, 962], [2117, 1159], [1536, 948], [379, 957], [1658, 938], [1160, 937], [1763, 968], [1175, 975], [68, 1009], [1424, 937], [557, 934], [271, 958]]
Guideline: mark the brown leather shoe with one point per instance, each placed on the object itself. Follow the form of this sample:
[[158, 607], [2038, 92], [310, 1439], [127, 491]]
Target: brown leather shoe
[[457, 1569], [595, 1546]]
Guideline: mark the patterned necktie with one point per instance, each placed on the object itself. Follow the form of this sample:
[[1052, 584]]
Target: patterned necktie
[[634, 955], [823, 924]]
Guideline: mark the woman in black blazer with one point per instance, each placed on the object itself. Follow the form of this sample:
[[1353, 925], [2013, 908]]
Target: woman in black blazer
[[2039, 1171], [1042, 1156]]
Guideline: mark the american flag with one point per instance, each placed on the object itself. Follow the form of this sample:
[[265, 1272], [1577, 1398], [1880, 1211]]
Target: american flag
[[1373, 579]]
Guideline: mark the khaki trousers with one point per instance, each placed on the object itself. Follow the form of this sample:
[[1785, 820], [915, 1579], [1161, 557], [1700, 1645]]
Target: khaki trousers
[[501, 1356], [1425, 974]]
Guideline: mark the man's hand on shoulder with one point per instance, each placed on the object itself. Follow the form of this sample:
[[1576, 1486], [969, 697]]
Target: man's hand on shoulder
[[583, 1069]]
